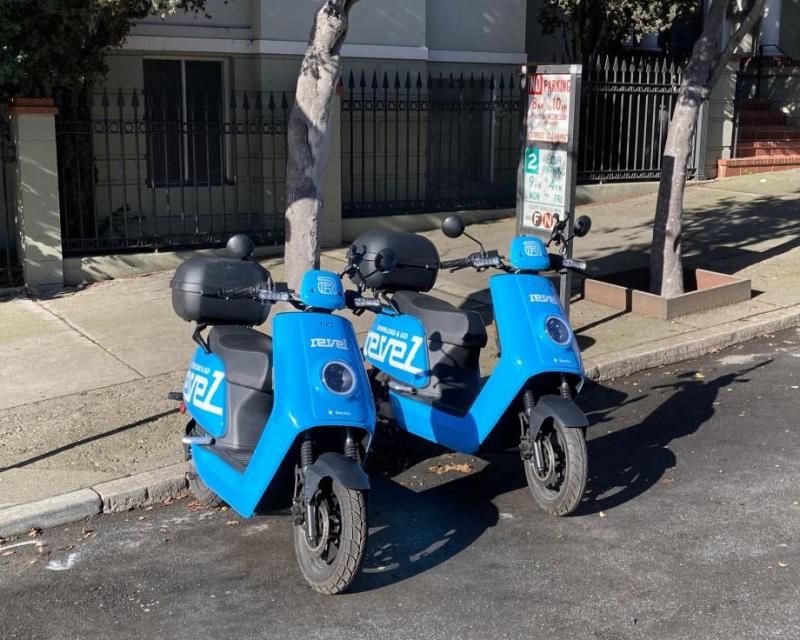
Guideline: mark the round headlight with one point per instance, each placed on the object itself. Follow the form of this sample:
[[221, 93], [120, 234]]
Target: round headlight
[[338, 377], [558, 330]]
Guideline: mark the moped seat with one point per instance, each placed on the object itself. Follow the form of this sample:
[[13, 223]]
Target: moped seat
[[442, 321], [246, 353]]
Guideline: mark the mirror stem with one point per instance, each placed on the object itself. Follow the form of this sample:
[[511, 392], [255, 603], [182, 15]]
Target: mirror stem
[[483, 251]]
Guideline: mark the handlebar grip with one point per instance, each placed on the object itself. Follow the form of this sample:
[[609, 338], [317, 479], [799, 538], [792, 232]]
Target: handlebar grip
[[453, 264]]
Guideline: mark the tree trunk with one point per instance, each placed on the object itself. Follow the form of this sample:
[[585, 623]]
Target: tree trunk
[[308, 139], [702, 73]]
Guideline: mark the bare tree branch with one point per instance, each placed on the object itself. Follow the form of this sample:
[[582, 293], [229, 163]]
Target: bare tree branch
[[745, 27]]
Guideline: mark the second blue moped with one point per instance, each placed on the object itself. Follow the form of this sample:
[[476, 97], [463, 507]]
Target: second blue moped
[[425, 353]]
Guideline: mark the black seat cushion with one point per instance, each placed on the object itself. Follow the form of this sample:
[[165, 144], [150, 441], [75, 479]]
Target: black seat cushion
[[443, 322], [247, 355]]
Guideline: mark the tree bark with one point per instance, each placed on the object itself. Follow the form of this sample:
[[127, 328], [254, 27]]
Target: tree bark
[[308, 138], [703, 71]]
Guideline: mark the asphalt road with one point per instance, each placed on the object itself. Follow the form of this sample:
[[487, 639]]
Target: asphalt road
[[689, 530]]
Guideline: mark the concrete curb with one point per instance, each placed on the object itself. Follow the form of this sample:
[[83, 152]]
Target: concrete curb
[[679, 348], [49, 512], [143, 489], [151, 487], [127, 493]]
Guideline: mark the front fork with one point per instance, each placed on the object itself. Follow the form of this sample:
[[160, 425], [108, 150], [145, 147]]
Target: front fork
[[305, 513], [530, 446]]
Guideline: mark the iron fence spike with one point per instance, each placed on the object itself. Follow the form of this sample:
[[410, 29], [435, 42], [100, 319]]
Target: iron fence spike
[[271, 102], [419, 80], [351, 81], [104, 102], [362, 82], [374, 80], [396, 79], [408, 80]]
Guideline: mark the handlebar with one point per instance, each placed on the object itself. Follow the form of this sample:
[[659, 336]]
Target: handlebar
[[477, 260], [493, 259]]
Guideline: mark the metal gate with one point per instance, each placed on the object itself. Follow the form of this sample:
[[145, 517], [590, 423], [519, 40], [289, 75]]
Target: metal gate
[[10, 271]]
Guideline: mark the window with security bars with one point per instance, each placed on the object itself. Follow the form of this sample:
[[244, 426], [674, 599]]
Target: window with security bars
[[184, 103]]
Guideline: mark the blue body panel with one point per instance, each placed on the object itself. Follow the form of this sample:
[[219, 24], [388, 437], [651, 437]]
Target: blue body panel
[[205, 392], [322, 290], [529, 254], [303, 344], [396, 344], [522, 304]]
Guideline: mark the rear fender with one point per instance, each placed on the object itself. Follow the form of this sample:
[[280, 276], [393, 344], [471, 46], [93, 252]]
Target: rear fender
[[338, 467], [564, 410]]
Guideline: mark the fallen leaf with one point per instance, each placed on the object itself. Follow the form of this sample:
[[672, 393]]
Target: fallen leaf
[[86, 532], [602, 514], [699, 376], [783, 564], [34, 533], [667, 481], [40, 544], [5, 554], [441, 469], [232, 522]]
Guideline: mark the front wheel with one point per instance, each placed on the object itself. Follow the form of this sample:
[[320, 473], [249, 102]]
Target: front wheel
[[331, 561], [558, 487]]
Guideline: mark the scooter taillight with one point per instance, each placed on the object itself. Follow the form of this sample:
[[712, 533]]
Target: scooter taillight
[[182, 407]]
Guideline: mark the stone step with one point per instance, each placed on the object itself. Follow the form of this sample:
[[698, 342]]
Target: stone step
[[744, 166], [764, 133], [768, 148], [761, 117], [754, 104]]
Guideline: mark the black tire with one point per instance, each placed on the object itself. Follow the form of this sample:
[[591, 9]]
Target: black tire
[[561, 489], [332, 565], [197, 487]]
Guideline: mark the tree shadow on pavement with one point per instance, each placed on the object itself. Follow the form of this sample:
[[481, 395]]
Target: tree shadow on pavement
[[626, 463], [725, 229], [87, 440]]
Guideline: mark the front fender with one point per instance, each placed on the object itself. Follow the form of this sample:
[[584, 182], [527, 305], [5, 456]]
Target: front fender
[[564, 410], [344, 470]]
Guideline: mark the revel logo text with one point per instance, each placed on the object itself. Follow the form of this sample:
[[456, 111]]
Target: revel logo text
[[326, 286]]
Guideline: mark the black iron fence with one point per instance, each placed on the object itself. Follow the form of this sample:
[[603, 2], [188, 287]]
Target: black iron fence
[[146, 171], [438, 144], [10, 271], [626, 106], [413, 144]]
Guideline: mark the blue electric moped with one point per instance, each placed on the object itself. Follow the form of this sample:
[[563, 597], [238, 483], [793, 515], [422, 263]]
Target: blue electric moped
[[425, 353], [276, 419]]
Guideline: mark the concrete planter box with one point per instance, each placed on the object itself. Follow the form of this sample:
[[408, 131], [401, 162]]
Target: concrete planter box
[[706, 290]]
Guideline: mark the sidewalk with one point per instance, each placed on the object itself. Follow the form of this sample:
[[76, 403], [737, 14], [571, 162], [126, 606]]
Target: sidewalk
[[85, 373]]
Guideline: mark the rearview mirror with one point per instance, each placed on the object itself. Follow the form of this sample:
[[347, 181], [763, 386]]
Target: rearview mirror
[[582, 226], [453, 226], [385, 260], [240, 247]]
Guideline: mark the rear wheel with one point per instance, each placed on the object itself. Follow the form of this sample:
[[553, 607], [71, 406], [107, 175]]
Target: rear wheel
[[558, 487], [330, 562], [199, 489]]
